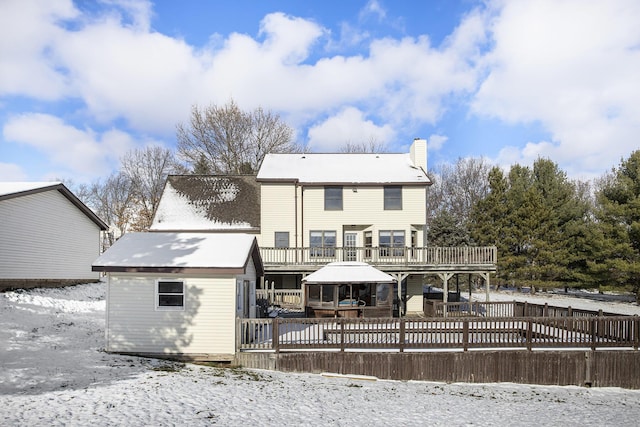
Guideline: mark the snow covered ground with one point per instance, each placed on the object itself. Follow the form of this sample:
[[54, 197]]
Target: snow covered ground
[[54, 372]]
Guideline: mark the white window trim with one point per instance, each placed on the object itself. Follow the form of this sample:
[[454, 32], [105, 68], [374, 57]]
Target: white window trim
[[168, 307]]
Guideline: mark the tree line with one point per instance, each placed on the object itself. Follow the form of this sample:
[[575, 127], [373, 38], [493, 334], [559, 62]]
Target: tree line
[[550, 231]]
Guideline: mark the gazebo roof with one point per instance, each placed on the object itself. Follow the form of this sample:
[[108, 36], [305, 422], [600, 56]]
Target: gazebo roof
[[348, 272]]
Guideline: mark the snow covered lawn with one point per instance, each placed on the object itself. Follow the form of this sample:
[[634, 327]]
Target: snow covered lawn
[[54, 372]]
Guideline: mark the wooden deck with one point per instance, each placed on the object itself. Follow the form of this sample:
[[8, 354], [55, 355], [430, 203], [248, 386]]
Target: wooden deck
[[384, 334], [427, 259]]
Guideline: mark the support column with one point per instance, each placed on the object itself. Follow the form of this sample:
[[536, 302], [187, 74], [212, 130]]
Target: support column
[[445, 287], [399, 278]]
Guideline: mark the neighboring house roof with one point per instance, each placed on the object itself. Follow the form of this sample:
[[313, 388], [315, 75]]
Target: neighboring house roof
[[348, 272], [159, 252], [10, 190], [209, 203], [342, 168]]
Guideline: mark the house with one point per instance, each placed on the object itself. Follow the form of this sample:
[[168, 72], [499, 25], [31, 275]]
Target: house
[[308, 210], [48, 237], [178, 294], [320, 208]]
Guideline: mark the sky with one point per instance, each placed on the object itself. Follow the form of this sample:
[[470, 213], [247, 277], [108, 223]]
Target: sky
[[82, 83]]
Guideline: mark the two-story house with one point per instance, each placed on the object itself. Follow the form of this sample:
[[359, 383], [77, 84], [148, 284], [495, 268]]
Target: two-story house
[[346, 207], [308, 210]]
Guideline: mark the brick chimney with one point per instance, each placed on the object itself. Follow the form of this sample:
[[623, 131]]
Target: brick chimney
[[418, 153]]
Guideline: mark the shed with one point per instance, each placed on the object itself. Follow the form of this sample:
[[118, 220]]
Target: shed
[[348, 289], [48, 237], [178, 294]]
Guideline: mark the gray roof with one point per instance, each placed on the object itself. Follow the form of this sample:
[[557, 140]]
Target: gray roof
[[209, 203], [10, 190]]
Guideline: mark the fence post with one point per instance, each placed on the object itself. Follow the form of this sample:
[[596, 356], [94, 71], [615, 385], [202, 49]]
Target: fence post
[[593, 332], [636, 331], [401, 334], [569, 311], [275, 335], [529, 333], [465, 334], [341, 335]]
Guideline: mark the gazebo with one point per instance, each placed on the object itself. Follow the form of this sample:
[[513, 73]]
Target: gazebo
[[348, 289]]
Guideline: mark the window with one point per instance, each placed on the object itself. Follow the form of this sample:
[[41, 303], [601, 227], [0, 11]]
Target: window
[[323, 243], [282, 239], [332, 198], [392, 197], [392, 243], [170, 295], [368, 243]]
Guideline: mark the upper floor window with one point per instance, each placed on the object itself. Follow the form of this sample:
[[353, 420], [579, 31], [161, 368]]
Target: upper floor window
[[282, 239], [333, 198], [170, 295], [392, 197]]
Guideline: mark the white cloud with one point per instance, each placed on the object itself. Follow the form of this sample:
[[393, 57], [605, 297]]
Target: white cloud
[[82, 152], [10, 172], [348, 126], [435, 142], [28, 31], [572, 66]]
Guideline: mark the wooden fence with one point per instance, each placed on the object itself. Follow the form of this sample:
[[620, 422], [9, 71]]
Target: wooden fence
[[447, 333], [434, 308]]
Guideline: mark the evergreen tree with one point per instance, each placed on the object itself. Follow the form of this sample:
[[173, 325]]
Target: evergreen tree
[[618, 215]]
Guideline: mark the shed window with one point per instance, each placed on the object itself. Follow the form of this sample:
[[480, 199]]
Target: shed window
[[333, 198], [170, 295], [392, 197]]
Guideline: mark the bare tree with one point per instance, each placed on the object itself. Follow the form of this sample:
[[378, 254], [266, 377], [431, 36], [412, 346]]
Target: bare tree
[[147, 169], [457, 188], [112, 201], [371, 146], [227, 140]]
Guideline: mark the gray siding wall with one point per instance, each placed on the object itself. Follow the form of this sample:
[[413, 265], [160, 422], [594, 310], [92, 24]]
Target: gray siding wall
[[44, 236]]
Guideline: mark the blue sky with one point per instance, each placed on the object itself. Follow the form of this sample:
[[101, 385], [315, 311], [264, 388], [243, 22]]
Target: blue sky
[[82, 83]]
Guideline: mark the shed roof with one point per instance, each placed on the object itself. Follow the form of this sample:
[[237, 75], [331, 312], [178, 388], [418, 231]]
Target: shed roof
[[10, 190], [209, 203], [342, 168], [348, 272], [181, 252]]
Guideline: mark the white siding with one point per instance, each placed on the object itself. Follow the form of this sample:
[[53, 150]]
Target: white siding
[[278, 213], [414, 294], [44, 236], [206, 326], [364, 207]]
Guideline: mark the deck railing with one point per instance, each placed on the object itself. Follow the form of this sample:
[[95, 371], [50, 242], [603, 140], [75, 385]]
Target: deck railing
[[504, 309], [286, 298], [447, 333], [428, 256]]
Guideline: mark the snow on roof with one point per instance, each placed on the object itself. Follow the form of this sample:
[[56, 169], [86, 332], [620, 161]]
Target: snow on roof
[[208, 203], [342, 168], [348, 272], [178, 250], [7, 188]]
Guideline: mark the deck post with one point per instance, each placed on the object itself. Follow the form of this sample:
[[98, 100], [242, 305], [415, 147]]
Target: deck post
[[275, 335]]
